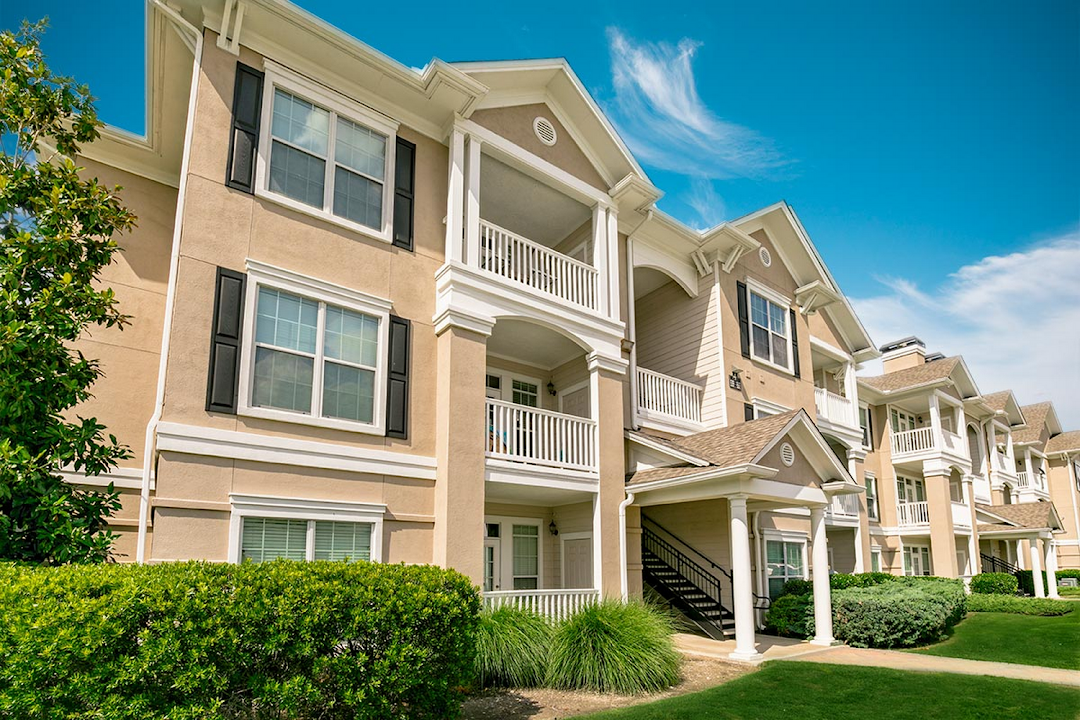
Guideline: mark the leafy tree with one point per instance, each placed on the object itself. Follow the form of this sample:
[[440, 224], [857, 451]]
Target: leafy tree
[[56, 231]]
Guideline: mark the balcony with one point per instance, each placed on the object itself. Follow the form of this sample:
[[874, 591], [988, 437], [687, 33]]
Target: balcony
[[843, 510], [540, 268], [834, 408], [554, 605], [961, 515], [668, 401], [1022, 479], [922, 442], [518, 433], [913, 513]]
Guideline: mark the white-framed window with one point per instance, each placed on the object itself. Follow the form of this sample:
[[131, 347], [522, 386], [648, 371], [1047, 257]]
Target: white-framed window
[[512, 387], [325, 155], [785, 558], [872, 510], [516, 558], [770, 332], [314, 352], [875, 559], [864, 425], [917, 560], [766, 408], [910, 491], [902, 421], [267, 527]]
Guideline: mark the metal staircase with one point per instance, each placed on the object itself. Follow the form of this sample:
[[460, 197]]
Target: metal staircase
[[688, 585], [993, 564]]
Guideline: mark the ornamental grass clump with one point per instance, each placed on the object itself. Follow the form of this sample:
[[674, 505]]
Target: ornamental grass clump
[[617, 647], [512, 648]]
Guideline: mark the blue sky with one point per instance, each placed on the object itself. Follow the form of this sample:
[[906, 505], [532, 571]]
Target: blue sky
[[930, 148]]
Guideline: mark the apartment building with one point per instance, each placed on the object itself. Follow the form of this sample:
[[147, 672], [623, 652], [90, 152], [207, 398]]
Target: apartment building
[[436, 317], [955, 492], [1048, 472]]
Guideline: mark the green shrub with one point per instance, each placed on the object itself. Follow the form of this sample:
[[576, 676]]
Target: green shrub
[[797, 586], [194, 640], [512, 648], [837, 581], [614, 647], [1028, 587], [787, 615], [1019, 605], [902, 613], [994, 584]]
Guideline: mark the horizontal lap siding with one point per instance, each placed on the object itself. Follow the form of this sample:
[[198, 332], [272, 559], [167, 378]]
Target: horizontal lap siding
[[677, 335]]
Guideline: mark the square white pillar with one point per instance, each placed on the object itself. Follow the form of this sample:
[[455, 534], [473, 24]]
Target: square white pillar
[[1036, 568], [1050, 552], [741, 582], [472, 201], [455, 196], [820, 569]]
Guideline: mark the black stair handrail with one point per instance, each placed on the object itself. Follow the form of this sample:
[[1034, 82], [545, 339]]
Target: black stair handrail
[[759, 601], [692, 572], [998, 565]]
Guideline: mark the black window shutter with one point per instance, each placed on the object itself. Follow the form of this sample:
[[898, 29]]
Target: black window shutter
[[244, 143], [404, 186], [225, 342], [794, 344], [744, 320], [748, 411], [397, 379], [869, 427]]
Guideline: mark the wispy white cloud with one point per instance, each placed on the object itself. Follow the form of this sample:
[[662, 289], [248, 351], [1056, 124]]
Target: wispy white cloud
[[662, 118], [1015, 318], [706, 202]]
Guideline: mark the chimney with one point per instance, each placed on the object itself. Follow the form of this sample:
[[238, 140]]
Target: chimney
[[903, 354]]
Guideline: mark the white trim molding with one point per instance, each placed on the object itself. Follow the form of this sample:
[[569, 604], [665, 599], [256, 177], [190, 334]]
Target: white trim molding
[[121, 478], [236, 445], [269, 506]]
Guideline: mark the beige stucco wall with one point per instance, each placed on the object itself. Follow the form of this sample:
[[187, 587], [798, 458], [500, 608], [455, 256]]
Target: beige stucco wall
[[516, 125], [1066, 498]]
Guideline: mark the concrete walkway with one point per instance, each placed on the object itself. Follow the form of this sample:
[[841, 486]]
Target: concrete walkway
[[774, 648]]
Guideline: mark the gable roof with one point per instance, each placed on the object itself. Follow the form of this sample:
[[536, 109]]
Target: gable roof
[[1034, 515], [1063, 443], [731, 447], [913, 377], [1037, 416], [1004, 401]]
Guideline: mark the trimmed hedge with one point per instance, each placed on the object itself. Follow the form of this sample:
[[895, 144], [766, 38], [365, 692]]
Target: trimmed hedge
[[193, 640], [787, 615], [903, 613], [511, 648], [837, 581], [1019, 605], [616, 647], [994, 583]]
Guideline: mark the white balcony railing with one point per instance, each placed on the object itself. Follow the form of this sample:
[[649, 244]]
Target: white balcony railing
[[663, 395], [961, 515], [524, 261], [834, 408], [540, 437], [1022, 479], [555, 605], [912, 441], [913, 513], [844, 505]]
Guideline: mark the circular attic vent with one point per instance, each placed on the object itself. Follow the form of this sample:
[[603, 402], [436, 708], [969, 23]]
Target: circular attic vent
[[545, 131], [787, 454], [766, 257]]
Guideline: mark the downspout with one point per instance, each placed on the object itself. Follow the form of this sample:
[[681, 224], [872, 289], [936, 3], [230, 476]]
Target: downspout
[[622, 545], [181, 26]]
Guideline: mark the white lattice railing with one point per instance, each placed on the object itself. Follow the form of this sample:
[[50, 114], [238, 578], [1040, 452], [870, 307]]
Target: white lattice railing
[[541, 437], [913, 513], [911, 441], [660, 394], [555, 605], [516, 258], [833, 407], [961, 515], [845, 505]]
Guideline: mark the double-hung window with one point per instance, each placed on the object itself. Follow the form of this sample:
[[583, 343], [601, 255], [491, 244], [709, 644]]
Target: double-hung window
[[317, 354], [325, 155], [784, 562], [770, 332], [864, 425], [269, 538], [526, 549], [871, 498]]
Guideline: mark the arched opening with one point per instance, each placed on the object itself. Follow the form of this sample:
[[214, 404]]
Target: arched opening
[[956, 486], [975, 449], [1006, 494]]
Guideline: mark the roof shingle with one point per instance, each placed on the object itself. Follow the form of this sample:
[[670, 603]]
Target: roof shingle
[[1030, 514], [912, 376], [1065, 442], [1036, 418]]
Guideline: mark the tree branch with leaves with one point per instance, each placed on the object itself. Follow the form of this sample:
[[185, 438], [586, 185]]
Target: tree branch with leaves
[[57, 232]]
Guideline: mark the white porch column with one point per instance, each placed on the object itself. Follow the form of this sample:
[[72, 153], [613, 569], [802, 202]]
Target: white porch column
[[742, 591], [935, 421], [600, 258], [1036, 568], [455, 195], [613, 262], [472, 201], [1051, 567], [822, 594], [851, 392], [860, 561]]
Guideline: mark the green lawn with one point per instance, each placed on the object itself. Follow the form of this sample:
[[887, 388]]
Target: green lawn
[[1024, 639], [1069, 592], [812, 691]]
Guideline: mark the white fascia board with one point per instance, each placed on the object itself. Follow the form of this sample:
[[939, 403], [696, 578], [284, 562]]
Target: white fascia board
[[236, 445], [667, 450]]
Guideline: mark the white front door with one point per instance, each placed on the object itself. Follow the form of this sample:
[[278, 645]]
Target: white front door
[[577, 558], [492, 565]]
